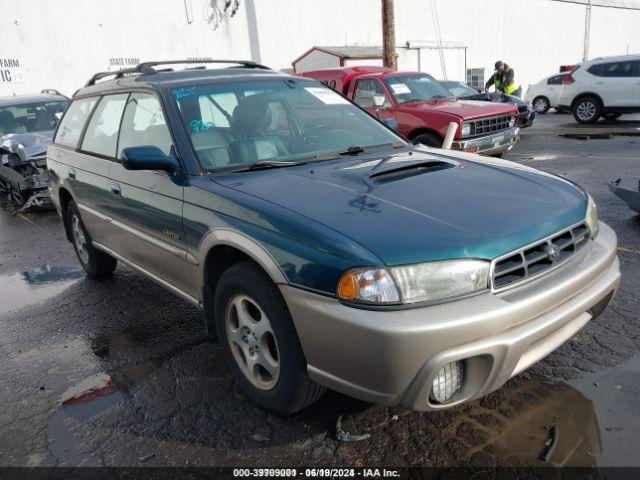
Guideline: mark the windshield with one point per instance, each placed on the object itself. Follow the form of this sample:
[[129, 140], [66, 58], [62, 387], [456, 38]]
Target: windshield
[[31, 117], [416, 88], [459, 89], [281, 120]]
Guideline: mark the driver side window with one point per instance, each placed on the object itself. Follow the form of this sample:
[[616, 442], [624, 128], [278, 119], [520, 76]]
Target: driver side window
[[366, 92], [143, 124]]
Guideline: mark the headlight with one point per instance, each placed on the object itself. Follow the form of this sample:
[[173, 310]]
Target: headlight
[[421, 282], [592, 217], [466, 129], [512, 122]]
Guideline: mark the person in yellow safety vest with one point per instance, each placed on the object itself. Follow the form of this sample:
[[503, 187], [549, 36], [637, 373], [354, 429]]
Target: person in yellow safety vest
[[503, 80]]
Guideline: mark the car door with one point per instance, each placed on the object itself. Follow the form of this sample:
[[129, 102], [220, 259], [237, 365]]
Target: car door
[[371, 95], [147, 205], [94, 157], [554, 88], [83, 173], [615, 83], [636, 78]]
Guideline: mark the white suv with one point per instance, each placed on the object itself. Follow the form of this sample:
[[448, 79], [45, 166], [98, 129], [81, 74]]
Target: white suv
[[604, 87]]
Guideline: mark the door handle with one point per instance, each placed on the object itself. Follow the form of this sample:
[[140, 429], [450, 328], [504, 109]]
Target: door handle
[[115, 189], [72, 173]]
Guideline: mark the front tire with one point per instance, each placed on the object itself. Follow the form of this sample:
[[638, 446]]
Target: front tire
[[10, 192], [587, 110], [429, 139], [259, 341], [95, 263], [541, 104]]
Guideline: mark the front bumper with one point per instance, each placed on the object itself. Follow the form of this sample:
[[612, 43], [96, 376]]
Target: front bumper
[[489, 144], [392, 356]]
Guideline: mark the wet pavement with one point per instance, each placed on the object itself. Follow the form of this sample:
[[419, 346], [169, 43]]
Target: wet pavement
[[120, 372]]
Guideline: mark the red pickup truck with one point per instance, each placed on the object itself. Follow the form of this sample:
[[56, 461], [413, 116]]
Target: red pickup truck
[[423, 108]]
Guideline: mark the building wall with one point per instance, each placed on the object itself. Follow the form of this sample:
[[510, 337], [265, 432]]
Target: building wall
[[61, 44]]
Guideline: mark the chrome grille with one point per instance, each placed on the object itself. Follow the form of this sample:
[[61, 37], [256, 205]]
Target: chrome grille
[[532, 260], [488, 125]]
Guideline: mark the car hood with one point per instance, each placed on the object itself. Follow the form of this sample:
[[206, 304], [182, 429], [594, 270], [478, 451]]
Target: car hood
[[26, 145], [467, 109], [423, 205]]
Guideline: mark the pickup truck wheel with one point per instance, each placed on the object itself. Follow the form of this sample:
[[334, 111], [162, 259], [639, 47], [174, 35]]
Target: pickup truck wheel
[[541, 104], [259, 341], [587, 110], [95, 263], [429, 139]]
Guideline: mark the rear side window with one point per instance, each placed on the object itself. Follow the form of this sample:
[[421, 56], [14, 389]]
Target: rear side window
[[73, 122], [143, 124], [613, 69], [365, 92], [557, 79], [101, 136]]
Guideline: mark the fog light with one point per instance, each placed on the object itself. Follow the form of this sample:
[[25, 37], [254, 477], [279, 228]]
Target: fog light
[[447, 382]]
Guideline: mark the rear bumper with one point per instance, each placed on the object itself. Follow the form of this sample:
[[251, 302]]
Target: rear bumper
[[489, 144], [392, 356]]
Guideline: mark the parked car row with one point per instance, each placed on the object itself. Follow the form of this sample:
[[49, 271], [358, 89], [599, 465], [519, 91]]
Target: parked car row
[[600, 88], [323, 248]]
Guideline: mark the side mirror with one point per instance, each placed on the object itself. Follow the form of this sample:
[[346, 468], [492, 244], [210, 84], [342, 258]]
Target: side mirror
[[378, 101], [148, 158], [391, 123]]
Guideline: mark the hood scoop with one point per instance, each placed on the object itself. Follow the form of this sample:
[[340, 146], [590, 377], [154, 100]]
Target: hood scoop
[[405, 171]]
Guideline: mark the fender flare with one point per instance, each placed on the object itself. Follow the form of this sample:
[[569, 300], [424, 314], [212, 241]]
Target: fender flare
[[244, 243]]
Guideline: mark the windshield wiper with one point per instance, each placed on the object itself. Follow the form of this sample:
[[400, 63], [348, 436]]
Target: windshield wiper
[[264, 164]]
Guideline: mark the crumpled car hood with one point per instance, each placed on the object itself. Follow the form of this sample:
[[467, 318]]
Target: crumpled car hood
[[463, 206], [26, 145], [467, 109]]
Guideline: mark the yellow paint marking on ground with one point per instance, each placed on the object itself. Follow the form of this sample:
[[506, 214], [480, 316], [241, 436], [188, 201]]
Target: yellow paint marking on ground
[[622, 248], [25, 219]]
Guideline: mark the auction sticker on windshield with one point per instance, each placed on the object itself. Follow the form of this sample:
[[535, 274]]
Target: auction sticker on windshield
[[326, 96], [400, 88]]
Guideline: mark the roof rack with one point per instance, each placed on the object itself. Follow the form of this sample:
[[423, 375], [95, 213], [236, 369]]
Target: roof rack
[[147, 68], [50, 91]]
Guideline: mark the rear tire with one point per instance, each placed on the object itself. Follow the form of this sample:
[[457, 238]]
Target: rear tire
[[259, 341], [95, 263], [611, 116], [587, 110], [541, 104], [429, 139]]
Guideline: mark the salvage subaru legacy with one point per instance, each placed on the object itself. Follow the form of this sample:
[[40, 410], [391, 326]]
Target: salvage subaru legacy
[[323, 248]]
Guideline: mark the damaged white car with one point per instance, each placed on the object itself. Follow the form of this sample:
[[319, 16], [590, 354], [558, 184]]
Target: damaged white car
[[27, 123]]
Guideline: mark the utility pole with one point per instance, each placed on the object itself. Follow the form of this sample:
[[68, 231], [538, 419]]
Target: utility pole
[[389, 57], [587, 32]]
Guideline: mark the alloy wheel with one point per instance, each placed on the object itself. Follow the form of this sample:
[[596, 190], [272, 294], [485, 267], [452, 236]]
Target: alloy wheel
[[586, 110], [253, 342], [79, 239], [540, 105]]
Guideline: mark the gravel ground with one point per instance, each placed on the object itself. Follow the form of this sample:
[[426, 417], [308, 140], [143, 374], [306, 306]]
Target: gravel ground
[[120, 372]]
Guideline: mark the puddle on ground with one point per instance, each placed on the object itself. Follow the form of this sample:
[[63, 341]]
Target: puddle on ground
[[89, 398], [30, 287], [615, 394], [591, 421]]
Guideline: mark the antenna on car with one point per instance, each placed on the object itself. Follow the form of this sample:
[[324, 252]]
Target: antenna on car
[[148, 68]]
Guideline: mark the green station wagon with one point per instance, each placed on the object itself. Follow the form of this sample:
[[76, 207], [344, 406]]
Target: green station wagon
[[324, 249]]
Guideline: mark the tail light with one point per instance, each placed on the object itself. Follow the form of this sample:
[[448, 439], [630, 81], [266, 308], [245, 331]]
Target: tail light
[[567, 80]]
